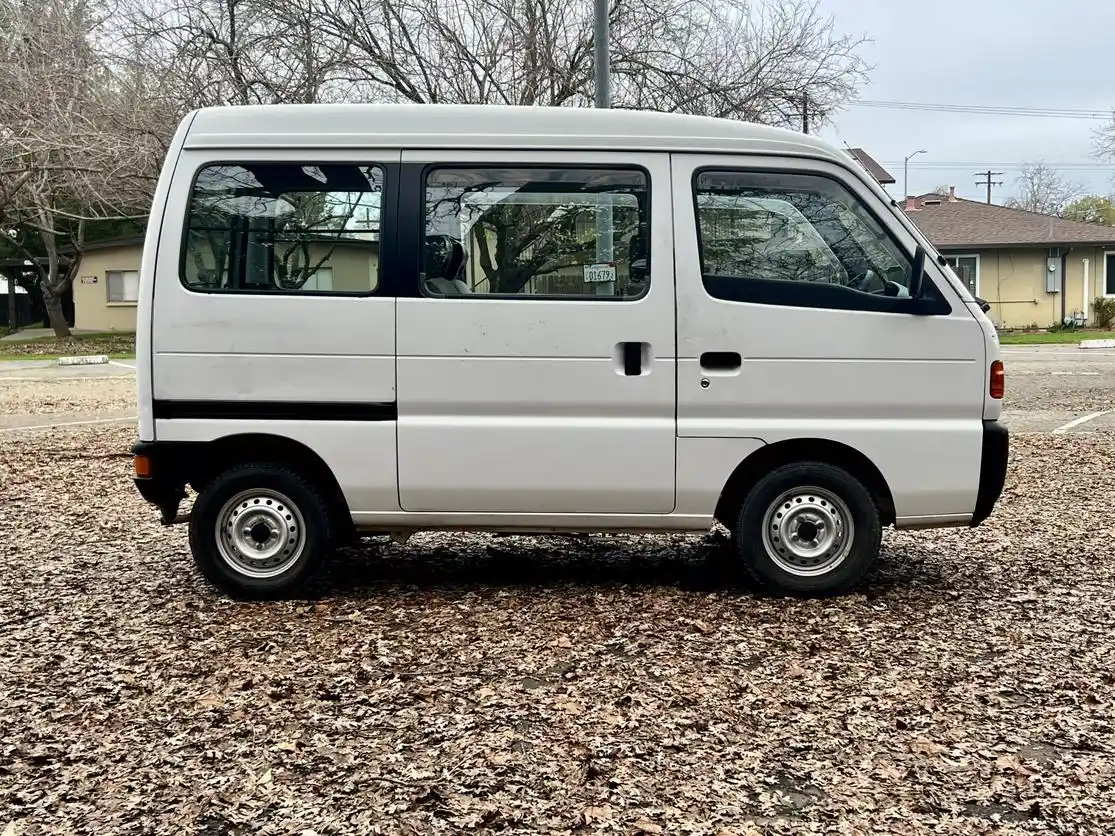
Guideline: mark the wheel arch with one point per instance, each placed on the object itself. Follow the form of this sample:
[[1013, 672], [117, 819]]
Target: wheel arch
[[824, 450], [198, 463]]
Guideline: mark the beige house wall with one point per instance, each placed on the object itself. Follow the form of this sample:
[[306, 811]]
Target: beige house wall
[[92, 310], [1013, 281]]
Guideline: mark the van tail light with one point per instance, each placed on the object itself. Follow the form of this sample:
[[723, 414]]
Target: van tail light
[[998, 380]]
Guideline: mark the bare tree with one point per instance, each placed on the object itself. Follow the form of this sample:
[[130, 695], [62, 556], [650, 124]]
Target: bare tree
[[215, 52], [1041, 189], [1103, 140], [74, 146], [759, 61]]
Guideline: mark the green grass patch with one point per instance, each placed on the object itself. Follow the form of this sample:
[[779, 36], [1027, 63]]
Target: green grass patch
[[1054, 337]]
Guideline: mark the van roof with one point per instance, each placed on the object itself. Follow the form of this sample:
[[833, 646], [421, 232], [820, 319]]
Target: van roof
[[489, 127]]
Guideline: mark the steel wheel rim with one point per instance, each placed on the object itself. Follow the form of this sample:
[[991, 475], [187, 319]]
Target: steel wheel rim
[[808, 531], [260, 533]]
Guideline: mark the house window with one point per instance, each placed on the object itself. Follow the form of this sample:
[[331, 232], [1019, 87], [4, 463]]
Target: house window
[[1109, 274], [284, 228], [320, 280], [123, 285], [967, 268], [523, 232]]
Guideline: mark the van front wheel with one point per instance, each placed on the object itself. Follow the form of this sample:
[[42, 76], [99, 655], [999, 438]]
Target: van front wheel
[[259, 531], [808, 528]]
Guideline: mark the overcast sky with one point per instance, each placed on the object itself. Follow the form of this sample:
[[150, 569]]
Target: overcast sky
[[1017, 53]]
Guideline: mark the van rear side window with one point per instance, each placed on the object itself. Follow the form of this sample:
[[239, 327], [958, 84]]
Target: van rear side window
[[536, 231], [284, 228]]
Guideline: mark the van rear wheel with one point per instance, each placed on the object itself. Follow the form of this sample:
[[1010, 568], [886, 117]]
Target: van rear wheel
[[259, 531], [807, 528]]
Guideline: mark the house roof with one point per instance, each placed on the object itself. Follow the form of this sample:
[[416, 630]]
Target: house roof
[[956, 222], [881, 175]]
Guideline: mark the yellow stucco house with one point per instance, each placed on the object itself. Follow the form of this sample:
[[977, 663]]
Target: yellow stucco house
[[106, 285], [1015, 259]]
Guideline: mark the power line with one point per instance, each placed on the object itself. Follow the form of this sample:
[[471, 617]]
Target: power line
[[992, 110], [1011, 165]]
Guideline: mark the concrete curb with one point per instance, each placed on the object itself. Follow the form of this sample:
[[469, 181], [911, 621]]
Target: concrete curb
[[1097, 344], [84, 360]]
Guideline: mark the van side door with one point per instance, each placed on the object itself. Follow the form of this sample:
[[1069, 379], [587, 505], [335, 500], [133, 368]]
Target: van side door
[[536, 350], [794, 323]]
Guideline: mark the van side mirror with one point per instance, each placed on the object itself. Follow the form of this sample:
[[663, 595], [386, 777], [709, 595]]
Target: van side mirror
[[917, 276]]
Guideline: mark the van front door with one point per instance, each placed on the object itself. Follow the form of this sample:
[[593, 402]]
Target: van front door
[[794, 323], [536, 359]]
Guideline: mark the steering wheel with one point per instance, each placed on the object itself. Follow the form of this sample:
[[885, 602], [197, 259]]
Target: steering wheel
[[869, 282]]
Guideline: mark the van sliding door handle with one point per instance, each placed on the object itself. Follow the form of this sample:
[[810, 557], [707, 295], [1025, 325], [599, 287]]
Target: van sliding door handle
[[721, 361], [632, 358]]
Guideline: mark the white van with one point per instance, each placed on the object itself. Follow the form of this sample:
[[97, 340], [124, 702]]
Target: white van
[[357, 319]]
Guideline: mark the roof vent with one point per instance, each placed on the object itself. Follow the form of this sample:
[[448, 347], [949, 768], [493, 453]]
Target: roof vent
[[932, 201]]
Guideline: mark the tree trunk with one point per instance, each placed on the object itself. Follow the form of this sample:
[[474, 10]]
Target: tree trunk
[[12, 312], [55, 282], [52, 301]]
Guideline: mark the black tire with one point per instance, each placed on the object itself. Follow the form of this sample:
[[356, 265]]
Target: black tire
[[292, 511], [838, 496]]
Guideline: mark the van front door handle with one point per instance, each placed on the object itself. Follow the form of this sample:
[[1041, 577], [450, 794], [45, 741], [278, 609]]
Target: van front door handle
[[721, 361]]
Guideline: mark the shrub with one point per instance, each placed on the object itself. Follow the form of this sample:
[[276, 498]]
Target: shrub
[[1104, 310]]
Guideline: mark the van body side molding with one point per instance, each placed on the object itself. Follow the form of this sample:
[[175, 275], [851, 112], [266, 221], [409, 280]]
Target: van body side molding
[[275, 410]]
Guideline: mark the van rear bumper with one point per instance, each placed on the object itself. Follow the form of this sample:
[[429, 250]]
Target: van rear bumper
[[164, 486], [992, 471]]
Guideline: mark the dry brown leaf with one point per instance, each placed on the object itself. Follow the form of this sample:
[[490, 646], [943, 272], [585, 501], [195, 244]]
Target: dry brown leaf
[[598, 813], [928, 747]]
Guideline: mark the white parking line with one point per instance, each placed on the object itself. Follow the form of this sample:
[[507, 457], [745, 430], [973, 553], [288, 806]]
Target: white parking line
[[1076, 422], [124, 365], [68, 424]]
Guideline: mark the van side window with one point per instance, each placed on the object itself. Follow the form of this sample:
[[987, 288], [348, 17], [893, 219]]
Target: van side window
[[794, 239], [536, 231], [284, 228]]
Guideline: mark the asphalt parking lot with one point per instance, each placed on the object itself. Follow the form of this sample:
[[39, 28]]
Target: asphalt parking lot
[[626, 684]]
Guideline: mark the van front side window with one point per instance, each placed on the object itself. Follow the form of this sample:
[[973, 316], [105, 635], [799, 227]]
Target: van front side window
[[284, 228], [761, 228], [536, 231]]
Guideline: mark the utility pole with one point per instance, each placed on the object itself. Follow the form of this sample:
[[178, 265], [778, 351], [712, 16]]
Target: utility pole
[[805, 113], [987, 181], [603, 98]]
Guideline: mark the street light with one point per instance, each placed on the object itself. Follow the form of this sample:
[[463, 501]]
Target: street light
[[906, 173]]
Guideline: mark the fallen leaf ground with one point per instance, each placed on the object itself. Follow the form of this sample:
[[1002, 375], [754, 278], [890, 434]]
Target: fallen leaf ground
[[608, 685]]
